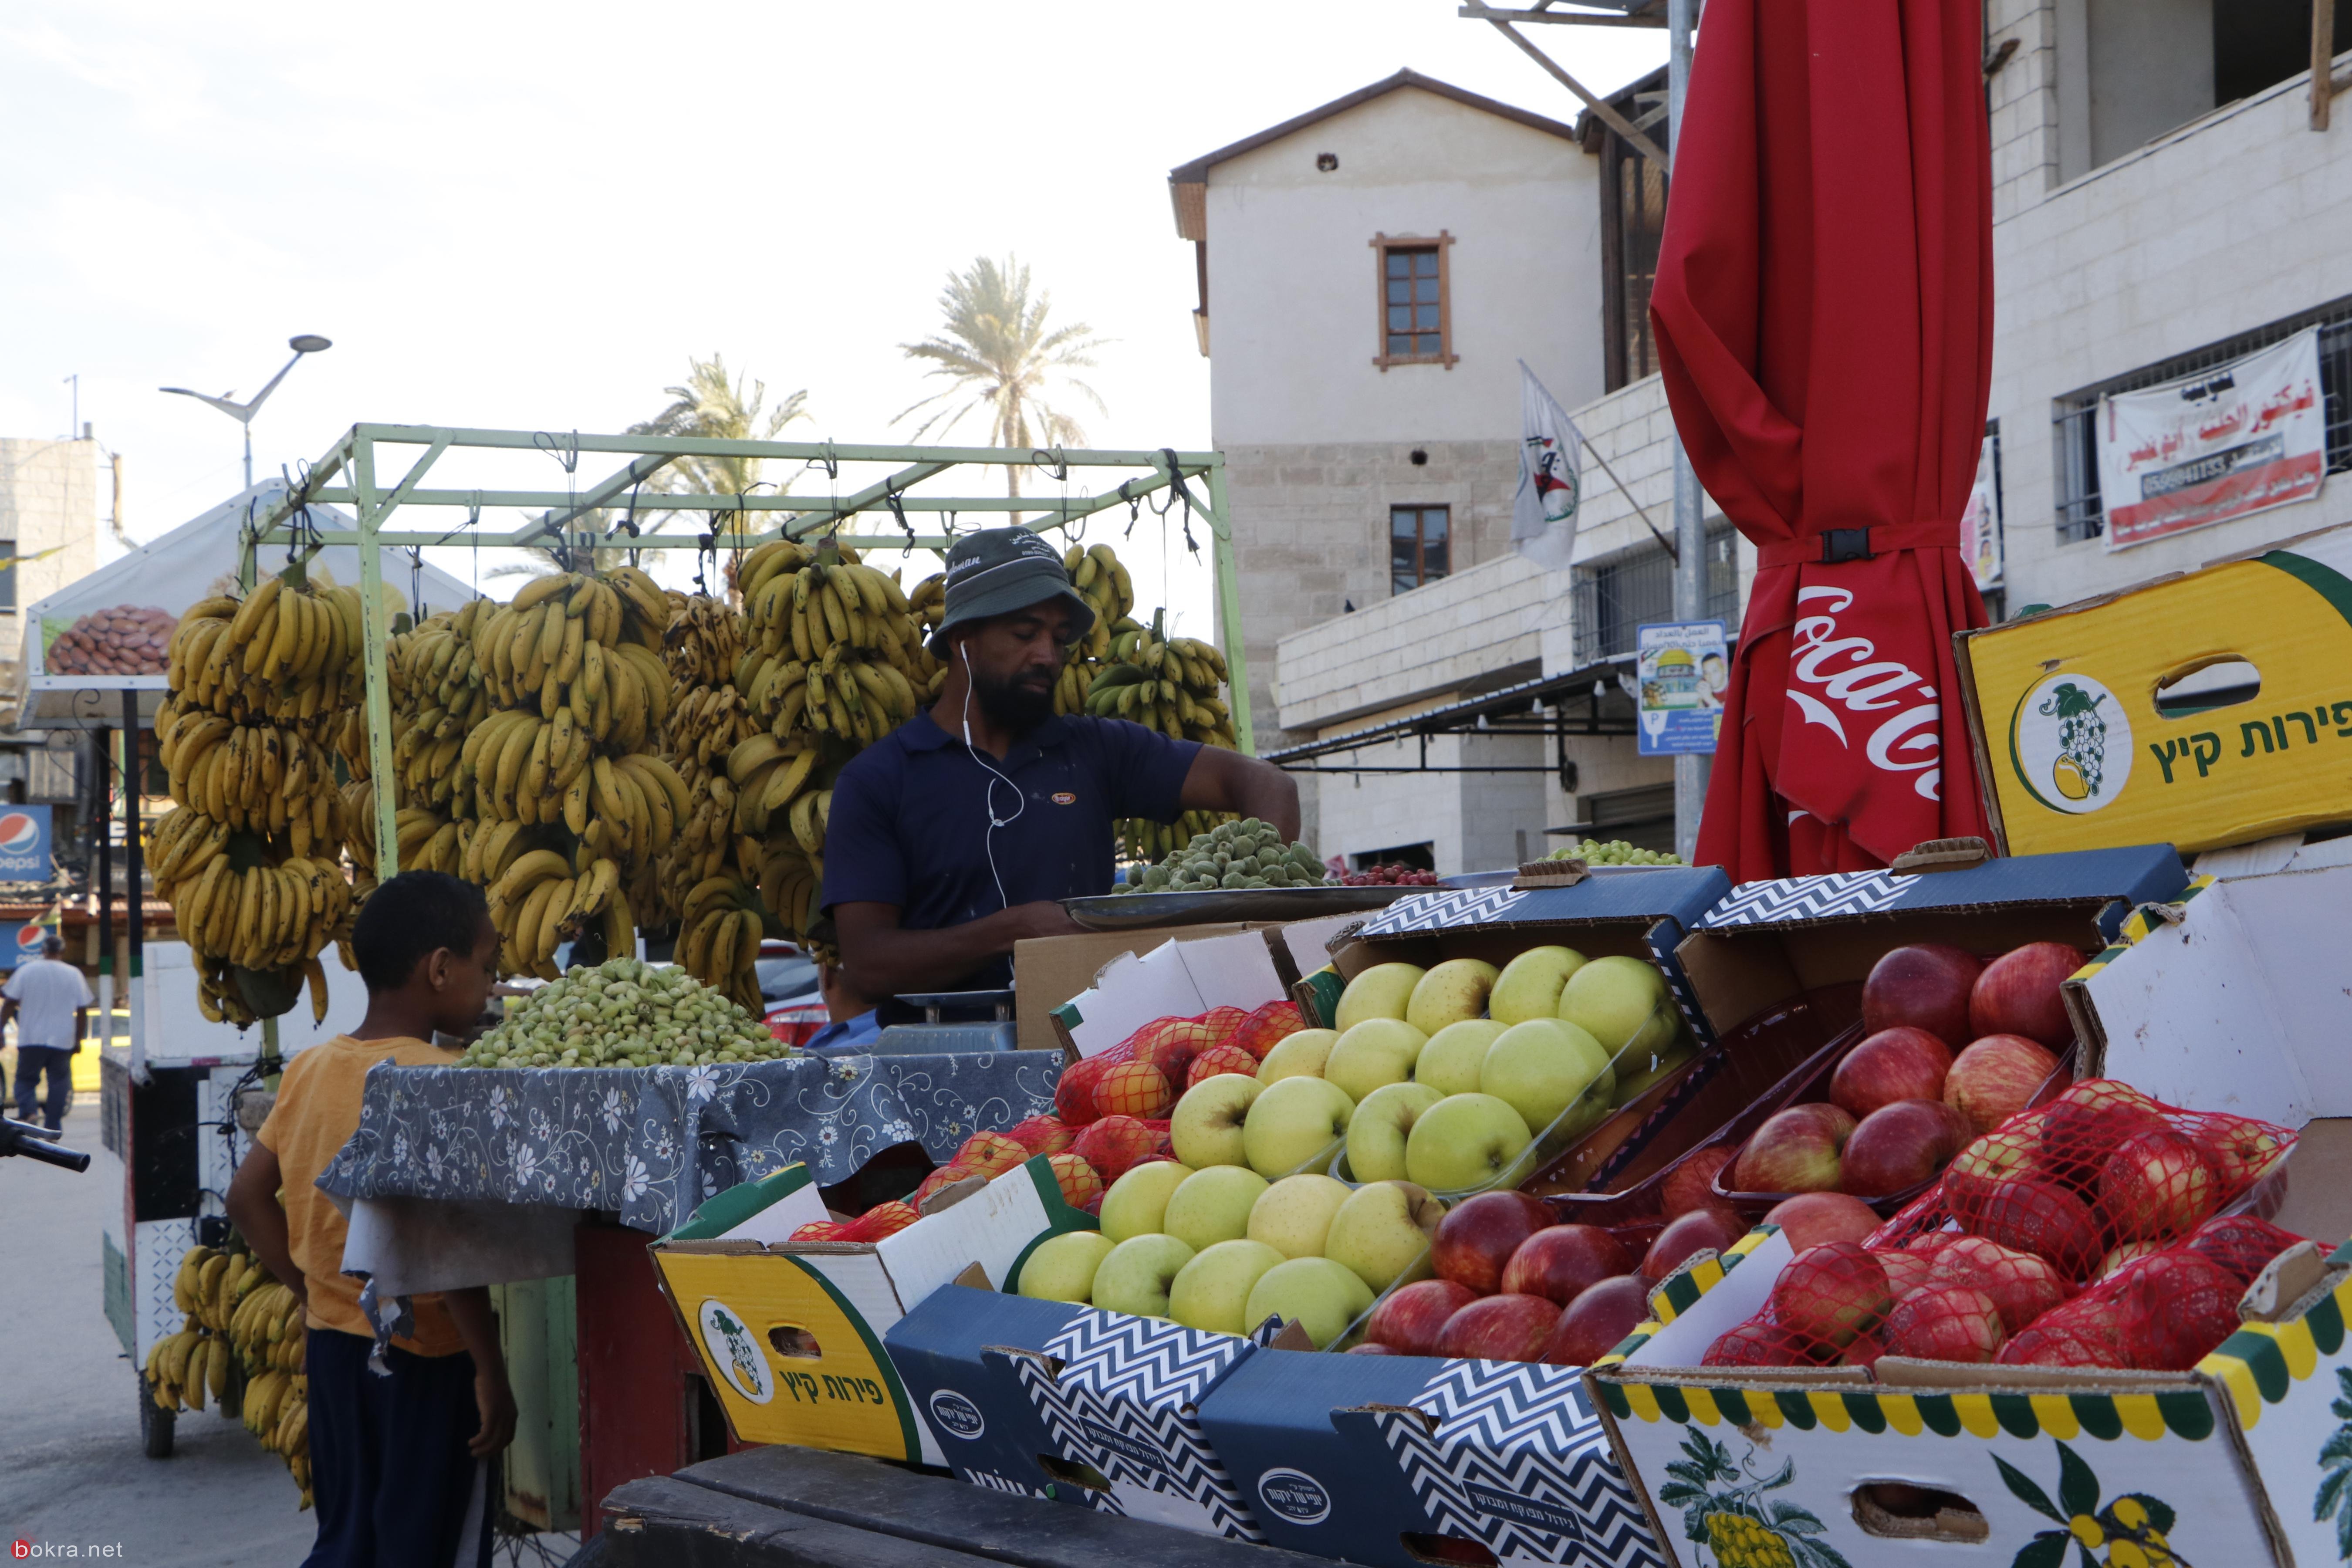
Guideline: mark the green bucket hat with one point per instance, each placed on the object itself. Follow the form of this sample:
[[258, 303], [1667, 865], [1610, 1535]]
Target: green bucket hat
[[999, 569]]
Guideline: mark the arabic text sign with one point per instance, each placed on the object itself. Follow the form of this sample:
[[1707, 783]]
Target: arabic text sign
[[2224, 443], [1680, 671]]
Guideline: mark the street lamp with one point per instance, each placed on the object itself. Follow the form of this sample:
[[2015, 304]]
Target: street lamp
[[243, 413]]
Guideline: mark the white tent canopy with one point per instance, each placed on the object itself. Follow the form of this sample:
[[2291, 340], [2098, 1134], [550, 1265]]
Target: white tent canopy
[[193, 561]]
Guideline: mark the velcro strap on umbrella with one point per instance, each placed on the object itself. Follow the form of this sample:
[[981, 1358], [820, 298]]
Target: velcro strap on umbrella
[[1835, 544]]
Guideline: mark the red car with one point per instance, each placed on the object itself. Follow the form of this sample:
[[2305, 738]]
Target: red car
[[788, 985]]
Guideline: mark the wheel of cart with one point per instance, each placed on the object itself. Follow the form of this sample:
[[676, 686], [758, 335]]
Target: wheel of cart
[[156, 1425]]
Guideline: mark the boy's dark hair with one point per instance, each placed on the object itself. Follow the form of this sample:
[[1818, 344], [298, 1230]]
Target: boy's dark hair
[[406, 918]]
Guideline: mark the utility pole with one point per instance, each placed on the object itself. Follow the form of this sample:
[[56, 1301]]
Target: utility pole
[[1690, 502]]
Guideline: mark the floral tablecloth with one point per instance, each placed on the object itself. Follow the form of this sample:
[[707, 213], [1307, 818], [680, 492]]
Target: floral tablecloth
[[653, 1143]]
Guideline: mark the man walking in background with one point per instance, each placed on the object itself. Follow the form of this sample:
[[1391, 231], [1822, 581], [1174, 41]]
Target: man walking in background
[[49, 1000]]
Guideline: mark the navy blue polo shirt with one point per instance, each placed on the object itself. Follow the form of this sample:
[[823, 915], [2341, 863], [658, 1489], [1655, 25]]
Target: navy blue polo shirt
[[910, 823]]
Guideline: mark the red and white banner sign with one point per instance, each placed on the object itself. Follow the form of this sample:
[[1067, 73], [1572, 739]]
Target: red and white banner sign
[[2227, 442]]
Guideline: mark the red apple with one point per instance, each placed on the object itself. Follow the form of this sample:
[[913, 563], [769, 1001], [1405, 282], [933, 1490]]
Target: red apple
[[1476, 1239], [1930, 1243], [1794, 1152], [1074, 1095], [2176, 1309], [2127, 1252], [1499, 1328], [1135, 1088], [1830, 1293], [1757, 1343], [1368, 1348], [2086, 1125], [1115, 1145], [1943, 1323], [1893, 1064], [1700, 1230], [1041, 1134], [2017, 995], [2157, 1185], [2020, 1284], [1561, 1261], [2045, 1343], [2242, 1244], [1996, 1077], [1081, 1184], [1220, 1059], [2241, 1149], [1690, 1184], [1925, 987], [2040, 1217], [1905, 1271], [1408, 1319], [1864, 1351], [1598, 1320], [1809, 1219], [1901, 1145]]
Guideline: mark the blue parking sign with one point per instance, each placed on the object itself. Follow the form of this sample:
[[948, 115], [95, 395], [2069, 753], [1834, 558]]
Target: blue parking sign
[[24, 844]]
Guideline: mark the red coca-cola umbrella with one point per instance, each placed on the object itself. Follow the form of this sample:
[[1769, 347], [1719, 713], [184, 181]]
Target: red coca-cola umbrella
[[1824, 309]]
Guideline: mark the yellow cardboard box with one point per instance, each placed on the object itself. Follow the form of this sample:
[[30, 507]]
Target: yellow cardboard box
[[2081, 747], [790, 1335]]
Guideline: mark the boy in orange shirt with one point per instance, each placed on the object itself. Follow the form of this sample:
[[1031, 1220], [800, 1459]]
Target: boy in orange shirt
[[396, 1462]]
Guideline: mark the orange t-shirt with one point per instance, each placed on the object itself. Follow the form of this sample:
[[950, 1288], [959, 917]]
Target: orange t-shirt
[[316, 1112]]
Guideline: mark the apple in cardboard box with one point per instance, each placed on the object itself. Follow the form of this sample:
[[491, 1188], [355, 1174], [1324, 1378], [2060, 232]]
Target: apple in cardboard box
[[2018, 994], [1926, 986], [1995, 1078], [1901, 1063]]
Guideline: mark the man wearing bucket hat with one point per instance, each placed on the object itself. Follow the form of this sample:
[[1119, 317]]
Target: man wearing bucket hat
[[954, 835]]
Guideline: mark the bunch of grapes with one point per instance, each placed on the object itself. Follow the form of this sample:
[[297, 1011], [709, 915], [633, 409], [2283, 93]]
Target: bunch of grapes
[[1616, 852], [1392, 875]]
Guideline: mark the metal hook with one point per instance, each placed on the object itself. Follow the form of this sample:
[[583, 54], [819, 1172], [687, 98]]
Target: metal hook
[[890, 499], [564, 450], [1054, 463]]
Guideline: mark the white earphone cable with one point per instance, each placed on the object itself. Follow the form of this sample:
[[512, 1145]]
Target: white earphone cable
[[1020, 802]]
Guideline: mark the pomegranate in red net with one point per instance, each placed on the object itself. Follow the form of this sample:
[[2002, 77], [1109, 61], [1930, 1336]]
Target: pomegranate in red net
[[1115, 1145], [2241, 1150], [1073, 1096], [1893, 1064], [2157, 1185], [1829, 1294], [2040, 1217], [1263, 1029], [1220, 1059], [1757, 1343], [1081, 1184], [2241, 1244], [1925, 986], [1943, 1323], [2017, 995], [2176, 1307], [1133, 1089], [1041, 1134], [2022, 1285]]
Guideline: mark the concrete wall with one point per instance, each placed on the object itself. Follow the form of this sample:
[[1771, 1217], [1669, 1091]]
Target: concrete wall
[[1473, 822], [49, 502], [2240, 217]]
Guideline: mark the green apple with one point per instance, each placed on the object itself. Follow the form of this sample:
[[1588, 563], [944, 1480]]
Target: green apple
[[1137, 1203], [1382, 1233], [1464, 1141], [1544, 1066], [1381, 992], [1450, 1062], [1319, 1295], [1295, 1125], [1376, 1051], [1455, 990], [1621, 1002], [1292, 1214], [1213, 1291], [1136, 1275], [1206, 1125], [1530, 985], [1213, 1205], [1062, 1267], [1298, 1055], [1376, 1133], [1648, 1069]]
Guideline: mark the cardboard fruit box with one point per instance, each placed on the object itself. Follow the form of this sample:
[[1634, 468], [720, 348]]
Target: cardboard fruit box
[[2083, 739], [791, 1333]]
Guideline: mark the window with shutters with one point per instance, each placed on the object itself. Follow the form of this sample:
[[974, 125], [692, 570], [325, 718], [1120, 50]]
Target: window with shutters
[[1416, 323]]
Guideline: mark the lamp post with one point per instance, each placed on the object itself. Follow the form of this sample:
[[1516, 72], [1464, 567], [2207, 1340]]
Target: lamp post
[[243, 413]]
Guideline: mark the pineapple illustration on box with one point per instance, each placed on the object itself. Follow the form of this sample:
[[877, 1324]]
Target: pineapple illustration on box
[[1726, 1511], [2128, 1533]]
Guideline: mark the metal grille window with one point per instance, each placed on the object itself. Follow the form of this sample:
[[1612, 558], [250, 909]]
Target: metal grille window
[[1418, 545], [7, 574], [2074, 418], [1416, 324], [1618, 596]]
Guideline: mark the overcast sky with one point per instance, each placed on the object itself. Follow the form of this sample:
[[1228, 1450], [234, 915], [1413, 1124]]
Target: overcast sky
[[528, 217]]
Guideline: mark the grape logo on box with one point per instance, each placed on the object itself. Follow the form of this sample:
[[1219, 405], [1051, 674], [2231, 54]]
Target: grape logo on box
[[24, 844], [735, 1353], [2070, 745], [957, 1417], [1295, 1495]]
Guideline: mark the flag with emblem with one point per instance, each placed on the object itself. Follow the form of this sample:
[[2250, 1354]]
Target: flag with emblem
[[1543, 513]]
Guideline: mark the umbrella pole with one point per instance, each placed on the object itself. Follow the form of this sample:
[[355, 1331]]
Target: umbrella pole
[[1690, 501]]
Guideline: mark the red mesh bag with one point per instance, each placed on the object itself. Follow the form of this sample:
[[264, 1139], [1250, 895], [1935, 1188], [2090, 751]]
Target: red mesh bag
[[819, 1230], [1262, 1028], [1117, 1144], [1041, 1134], [1219, 1059], [1224, 1023], [1169, 1045], [1073, 1096]]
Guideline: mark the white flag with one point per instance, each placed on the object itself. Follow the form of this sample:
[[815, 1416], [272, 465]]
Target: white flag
[[1551, 481]]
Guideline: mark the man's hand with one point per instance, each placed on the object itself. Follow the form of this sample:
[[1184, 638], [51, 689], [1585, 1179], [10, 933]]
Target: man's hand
[[1047, 916], [494, 1401]]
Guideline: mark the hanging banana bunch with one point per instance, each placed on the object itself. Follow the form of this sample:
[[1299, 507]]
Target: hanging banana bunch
[[929, 606], [835, 647], [717, 844], [720, 923]]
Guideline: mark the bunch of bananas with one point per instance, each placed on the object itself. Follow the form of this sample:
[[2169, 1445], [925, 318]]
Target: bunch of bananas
[[719, 927], [1167, 684], [241, 905], [210, 1285], [285, 652], [928, 605], [185, 1369], [253, 775], [539, 895], [838, 649], [268, 1332], [709, 728]]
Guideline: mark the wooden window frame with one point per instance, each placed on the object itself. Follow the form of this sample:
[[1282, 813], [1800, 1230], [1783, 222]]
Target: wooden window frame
[[1421, 510], [1381, 245]]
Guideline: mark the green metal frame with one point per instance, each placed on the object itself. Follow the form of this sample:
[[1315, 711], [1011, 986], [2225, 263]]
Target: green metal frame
[[346, 476]]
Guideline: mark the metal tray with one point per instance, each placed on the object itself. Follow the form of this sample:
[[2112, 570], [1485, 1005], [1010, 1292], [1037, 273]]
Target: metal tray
[[1137, 911]]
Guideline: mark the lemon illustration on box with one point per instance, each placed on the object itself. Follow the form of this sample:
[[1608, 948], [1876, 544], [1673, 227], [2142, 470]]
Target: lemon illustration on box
[[2082, 743]]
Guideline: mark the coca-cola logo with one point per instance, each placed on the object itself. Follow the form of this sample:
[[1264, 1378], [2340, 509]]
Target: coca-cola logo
[[1851, 675]]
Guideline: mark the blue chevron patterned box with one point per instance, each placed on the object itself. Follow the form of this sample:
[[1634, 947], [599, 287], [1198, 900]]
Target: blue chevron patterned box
[[982, 1421]]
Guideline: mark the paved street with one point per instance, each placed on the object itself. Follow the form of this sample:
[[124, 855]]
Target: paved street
[[70, 1469]]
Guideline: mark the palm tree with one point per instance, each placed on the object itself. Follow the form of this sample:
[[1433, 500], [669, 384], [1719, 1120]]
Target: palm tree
[[710, 404], [548, 557], [995, 350]]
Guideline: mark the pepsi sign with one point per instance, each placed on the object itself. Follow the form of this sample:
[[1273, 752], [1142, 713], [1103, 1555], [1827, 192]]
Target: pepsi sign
[[24, 844], [20, 944]]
